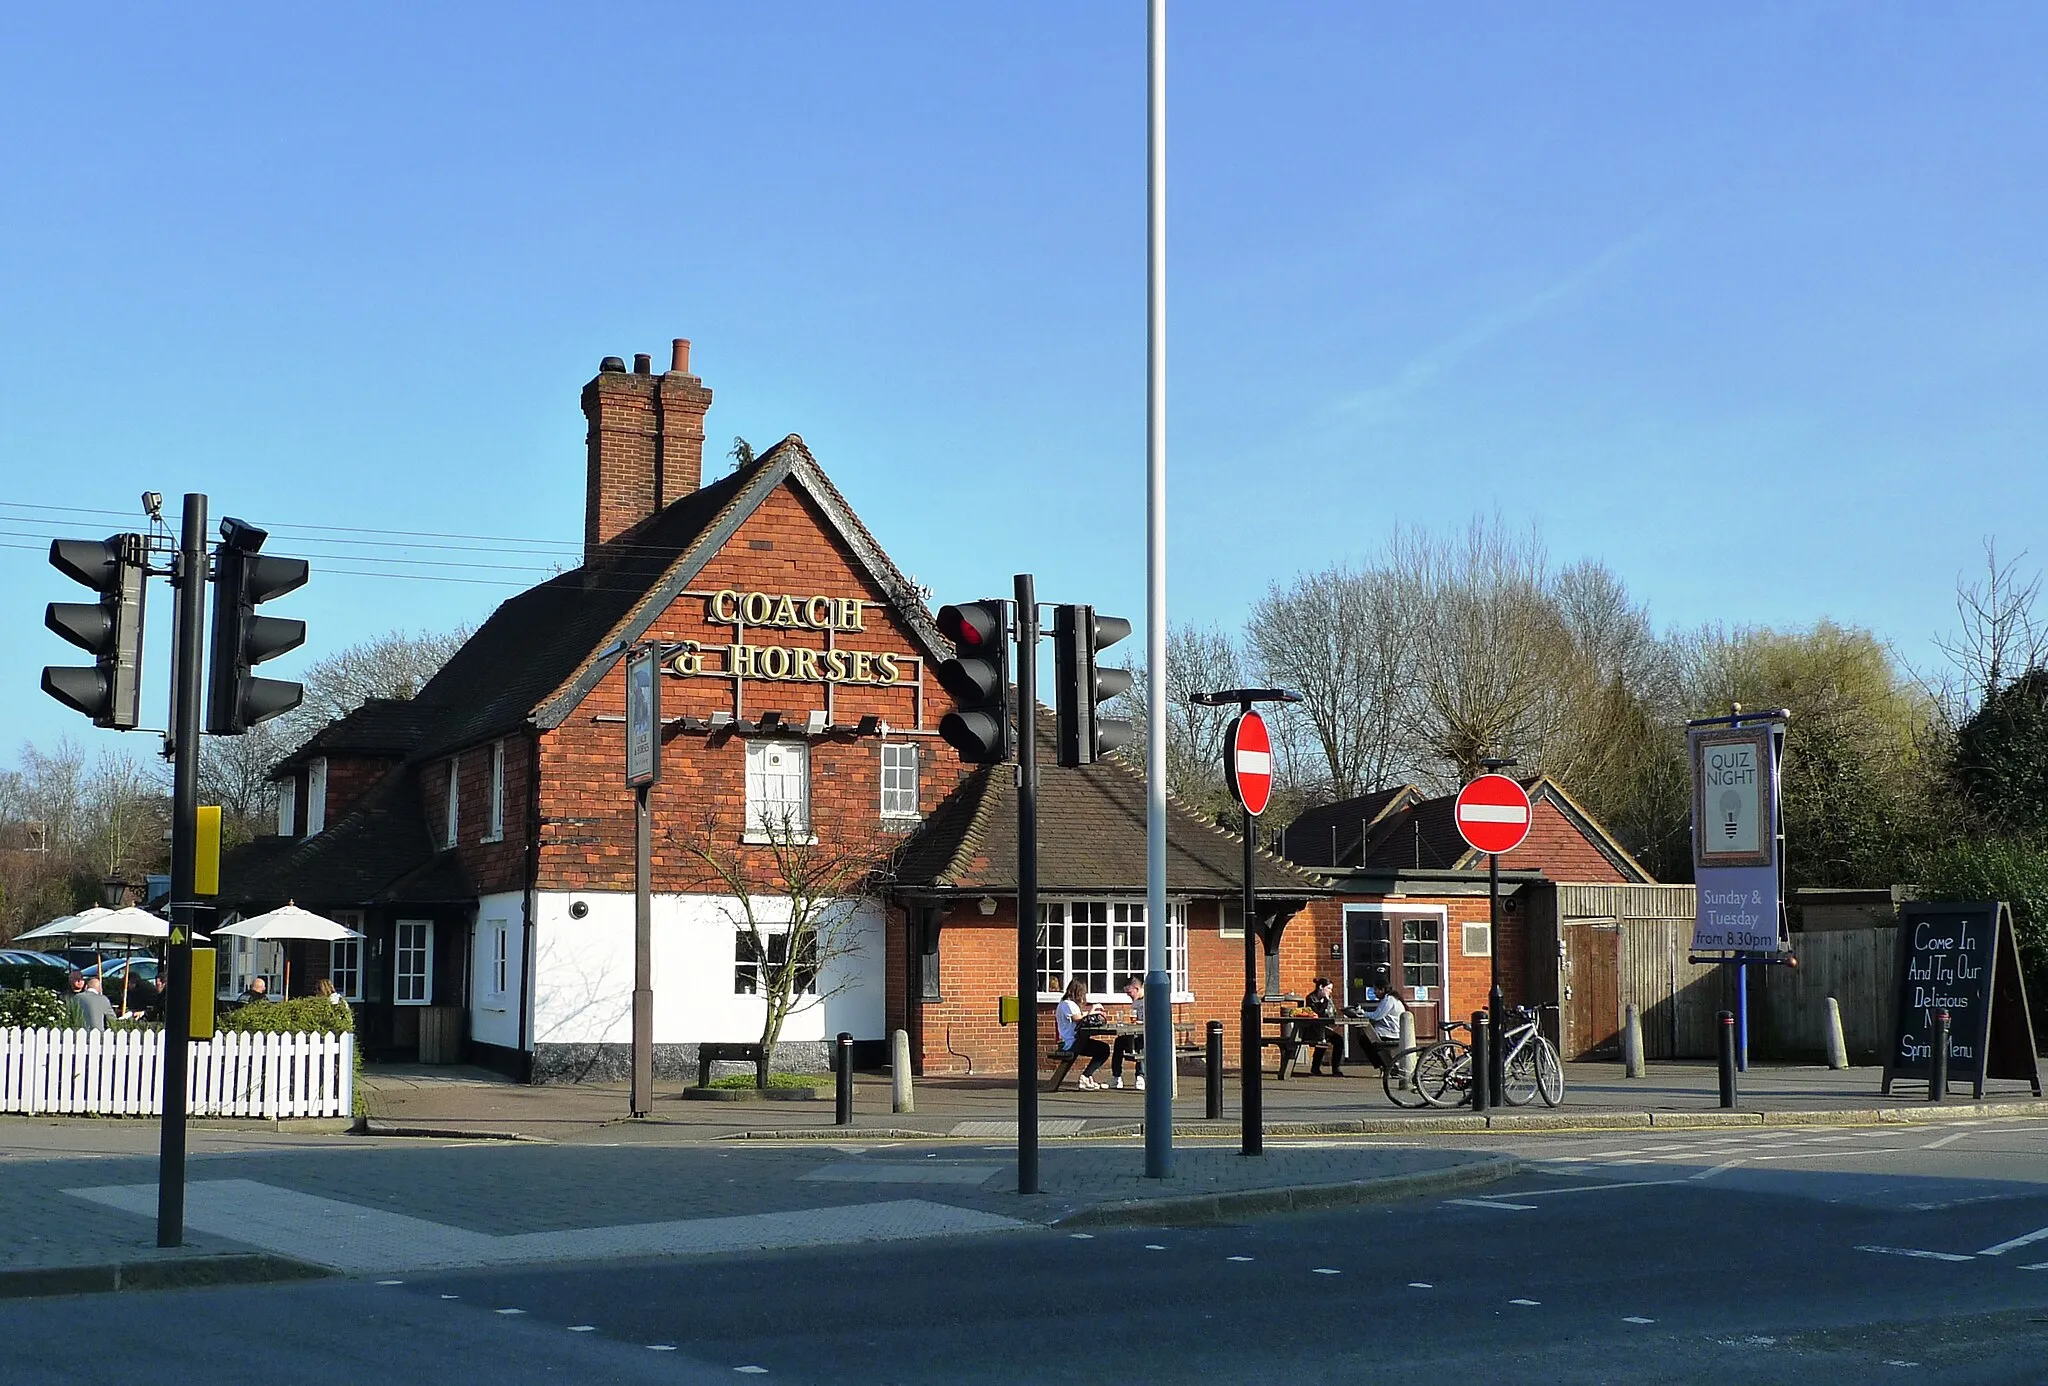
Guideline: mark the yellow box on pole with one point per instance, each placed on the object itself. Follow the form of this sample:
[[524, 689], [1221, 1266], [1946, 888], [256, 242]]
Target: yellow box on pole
[[206, 869], [201, 1027], [1006, 1010]]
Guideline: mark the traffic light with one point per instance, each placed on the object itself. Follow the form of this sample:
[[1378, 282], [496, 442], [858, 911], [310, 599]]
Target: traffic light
[[978, 677], [243, 579], [109, 629], [1078, 635]]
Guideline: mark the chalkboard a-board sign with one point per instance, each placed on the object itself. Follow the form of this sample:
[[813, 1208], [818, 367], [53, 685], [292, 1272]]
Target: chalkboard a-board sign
[[1961, 959]]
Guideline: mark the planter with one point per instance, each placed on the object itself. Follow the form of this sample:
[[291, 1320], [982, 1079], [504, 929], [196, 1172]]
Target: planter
[[752, 1094]]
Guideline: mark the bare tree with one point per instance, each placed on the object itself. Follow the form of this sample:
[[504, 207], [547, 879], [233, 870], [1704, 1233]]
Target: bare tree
[[794, 899], [1199, 659], [234, 772], [2000, 637], [393, 665], [1339, 638]]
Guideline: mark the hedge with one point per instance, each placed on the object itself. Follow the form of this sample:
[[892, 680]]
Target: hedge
[[304, 1015]]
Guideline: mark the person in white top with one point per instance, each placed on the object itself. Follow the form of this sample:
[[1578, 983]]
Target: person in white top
[[1384, 1010], [1073, 1012]]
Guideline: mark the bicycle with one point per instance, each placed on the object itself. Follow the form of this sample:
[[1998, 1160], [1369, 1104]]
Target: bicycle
[[1530, 1067], [1403, 1074]]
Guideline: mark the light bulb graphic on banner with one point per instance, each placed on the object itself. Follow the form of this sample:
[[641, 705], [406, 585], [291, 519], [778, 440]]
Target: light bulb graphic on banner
[[1731, 813]]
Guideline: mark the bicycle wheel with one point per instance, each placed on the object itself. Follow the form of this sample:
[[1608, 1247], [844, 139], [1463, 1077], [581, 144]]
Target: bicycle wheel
[[1443, 1075], [1518, 1080], [1549, 1074], [1397, 1081]]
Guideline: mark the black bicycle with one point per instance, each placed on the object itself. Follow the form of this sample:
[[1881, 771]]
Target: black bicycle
[[1530, 1067]]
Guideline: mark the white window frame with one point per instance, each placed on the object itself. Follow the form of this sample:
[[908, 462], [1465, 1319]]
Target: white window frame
[[1226, 910], [243, 959], [351, 987], [894, 807], [316, 796], [453, 827], [399, 973], [288, 809], [497, 963], [494, 828], [769, 805], [746, 972], [1109, 942]]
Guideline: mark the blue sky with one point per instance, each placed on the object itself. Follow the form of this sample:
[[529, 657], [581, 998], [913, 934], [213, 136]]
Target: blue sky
[[1747, 303]]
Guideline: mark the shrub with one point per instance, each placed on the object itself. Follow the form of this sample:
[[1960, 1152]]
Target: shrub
[[305, 1015], [35, 1008], [2012, 869], [776, 1080]]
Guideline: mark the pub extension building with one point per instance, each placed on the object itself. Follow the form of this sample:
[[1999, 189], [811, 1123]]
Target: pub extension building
[[480, 835]]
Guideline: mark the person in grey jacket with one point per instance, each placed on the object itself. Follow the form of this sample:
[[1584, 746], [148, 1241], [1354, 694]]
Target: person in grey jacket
[[93, 1007]]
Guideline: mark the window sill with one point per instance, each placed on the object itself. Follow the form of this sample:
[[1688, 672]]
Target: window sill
[[486, 841], [901, 822], [772, 840]]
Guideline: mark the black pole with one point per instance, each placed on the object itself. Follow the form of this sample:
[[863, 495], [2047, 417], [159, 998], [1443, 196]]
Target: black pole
[[1482, 1030], [642, 1103], [1252, 1118], [1027, 885], [1495, 1002], [188, 581], [842, 1071], [1727, 1058], [1215, 1057], [1937, 1079]]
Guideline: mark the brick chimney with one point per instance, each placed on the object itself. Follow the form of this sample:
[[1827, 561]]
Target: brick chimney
[[646, 442]]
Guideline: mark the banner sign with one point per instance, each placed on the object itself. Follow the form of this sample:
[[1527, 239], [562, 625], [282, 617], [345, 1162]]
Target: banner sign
[[1735, 842], [1960, 958], [643, 717]]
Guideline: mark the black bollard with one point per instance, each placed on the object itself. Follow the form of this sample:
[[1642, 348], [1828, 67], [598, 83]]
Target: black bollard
[[842, 1068], [1215, 1057], [1937, 1078], [1482, 1031], [1727, 1058]]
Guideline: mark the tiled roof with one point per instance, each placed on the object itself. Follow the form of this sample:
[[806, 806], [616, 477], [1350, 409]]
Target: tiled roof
[[1332, 834], [365, 857], [1091, 839], [380, 727]]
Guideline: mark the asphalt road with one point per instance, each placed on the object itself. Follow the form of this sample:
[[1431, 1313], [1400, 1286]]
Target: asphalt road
[[1760, 1256]]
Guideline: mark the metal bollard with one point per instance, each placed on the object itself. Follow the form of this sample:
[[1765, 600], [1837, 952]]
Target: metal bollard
[[1215, 1057], [842, 1068], [1937, 1078], [1482, 1045], [1407, 1052], [1727, 1028]]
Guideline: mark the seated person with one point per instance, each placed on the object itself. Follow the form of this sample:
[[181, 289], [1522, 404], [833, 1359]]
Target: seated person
[[1074, 1011], [1383, 1011], [1319, 1032], [1133, 1045]]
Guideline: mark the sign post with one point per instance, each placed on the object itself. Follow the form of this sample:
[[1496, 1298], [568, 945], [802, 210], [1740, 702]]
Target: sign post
[[1738, 847], [1493, 817], [643, 769], [1248, 770]]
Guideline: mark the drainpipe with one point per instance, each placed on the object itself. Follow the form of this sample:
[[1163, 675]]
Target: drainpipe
[[532, 902]]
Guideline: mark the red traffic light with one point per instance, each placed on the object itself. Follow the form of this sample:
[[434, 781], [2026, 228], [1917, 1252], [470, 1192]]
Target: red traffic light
[[972, 624]]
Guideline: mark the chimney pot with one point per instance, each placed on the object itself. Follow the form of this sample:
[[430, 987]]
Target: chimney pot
[[643, 364], [679, 358], [611, 365]]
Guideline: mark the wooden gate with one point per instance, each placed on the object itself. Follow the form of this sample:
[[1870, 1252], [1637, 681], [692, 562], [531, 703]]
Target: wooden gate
[[1592, 1005]]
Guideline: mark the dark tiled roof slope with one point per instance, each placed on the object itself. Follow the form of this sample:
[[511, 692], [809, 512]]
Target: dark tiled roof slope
[[1331, 835], [1091, 838], [380, 727], [359, 860]]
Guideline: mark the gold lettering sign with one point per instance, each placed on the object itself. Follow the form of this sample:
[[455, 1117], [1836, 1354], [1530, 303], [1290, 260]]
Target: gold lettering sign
[[785, 663], [785, 611]]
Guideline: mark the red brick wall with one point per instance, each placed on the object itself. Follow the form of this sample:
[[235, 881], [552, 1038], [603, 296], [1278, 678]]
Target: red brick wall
[[586, 809], [349, 778], [646, 446], [1557, 848]]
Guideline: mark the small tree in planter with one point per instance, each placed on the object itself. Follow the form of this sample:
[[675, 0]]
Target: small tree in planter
[[794, 897]]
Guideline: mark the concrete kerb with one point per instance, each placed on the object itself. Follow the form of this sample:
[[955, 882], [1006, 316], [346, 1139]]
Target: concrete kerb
[[166, 1273], [371, 1126], [1200, 1209]]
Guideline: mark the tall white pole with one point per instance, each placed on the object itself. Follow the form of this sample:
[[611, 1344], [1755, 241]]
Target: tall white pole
[[1158, 981]]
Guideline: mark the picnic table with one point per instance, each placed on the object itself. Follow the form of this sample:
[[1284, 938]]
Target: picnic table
[[1308, 1030], [1184, 1046]]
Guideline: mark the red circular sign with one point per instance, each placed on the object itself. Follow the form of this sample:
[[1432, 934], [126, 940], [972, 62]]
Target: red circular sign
[[1493, 814], [1248, 763]]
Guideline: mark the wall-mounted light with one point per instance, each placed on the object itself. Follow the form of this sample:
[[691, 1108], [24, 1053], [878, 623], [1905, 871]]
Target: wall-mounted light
[[988, 904], [815, 723]]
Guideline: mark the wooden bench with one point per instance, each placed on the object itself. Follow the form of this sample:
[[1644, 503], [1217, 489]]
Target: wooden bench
[[709, 1054], [1065, 1058]]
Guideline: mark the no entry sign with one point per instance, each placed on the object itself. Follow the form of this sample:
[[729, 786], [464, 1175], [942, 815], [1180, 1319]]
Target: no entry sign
[[1493, 814], [1248, 763]]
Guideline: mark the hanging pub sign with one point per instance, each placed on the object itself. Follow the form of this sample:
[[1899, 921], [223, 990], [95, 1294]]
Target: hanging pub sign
[[643, 717], [1961, 959], [1736, 842]]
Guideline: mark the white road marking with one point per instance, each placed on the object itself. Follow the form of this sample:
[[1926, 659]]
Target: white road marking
[[1717, 1169], [1240, 1258], [1899, 1362], [661, 1347], [1636, 1318], [2038, 1265], [1082, 1236], [752, 1370], [1915, 1251], [1489, 1203], [1582, 1188], [510, 1311], [1325, 1270], [583, 1328], [1420, 1285], [2015, 1243], [451, 1296], [390, 1282], [1154, 1246], [1823, 1154], [1530, 1303], [1945, 1140]]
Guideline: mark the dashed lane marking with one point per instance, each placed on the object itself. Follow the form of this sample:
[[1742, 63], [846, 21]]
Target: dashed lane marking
[[1325, 1270], [583, 1328], [1636, 1318], [1915, 1251], [1240, 1258], [1490, 1203], [2016, 1243], [1420, 1285], [1526, 1303]]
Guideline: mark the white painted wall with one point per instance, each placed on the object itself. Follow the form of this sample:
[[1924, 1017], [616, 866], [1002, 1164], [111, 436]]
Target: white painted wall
[[495, 1019], [583, 974]]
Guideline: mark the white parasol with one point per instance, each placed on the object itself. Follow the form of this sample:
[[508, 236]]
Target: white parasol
[[61, 928], [287, 922], [127, 922]]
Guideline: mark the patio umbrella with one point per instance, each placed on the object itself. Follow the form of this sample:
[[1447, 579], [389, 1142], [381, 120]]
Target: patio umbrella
[[61, 928], [129, 923], [287, 922]]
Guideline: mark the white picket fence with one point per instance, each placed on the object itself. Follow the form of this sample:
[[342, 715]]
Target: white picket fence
[[121, 1073]]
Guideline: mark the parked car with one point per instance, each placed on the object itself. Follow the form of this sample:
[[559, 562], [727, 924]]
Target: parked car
[[20, 967], [134, 973], [31, 955]]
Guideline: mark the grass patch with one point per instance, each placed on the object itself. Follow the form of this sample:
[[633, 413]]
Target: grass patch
[[775, 1080]]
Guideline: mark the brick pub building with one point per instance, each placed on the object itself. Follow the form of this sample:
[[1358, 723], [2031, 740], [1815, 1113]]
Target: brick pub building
[[480, 835]]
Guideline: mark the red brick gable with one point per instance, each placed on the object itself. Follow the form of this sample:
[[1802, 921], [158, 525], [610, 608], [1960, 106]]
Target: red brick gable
[[1556, 847]]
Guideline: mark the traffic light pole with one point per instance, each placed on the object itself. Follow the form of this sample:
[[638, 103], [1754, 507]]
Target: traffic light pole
[[188, 582], [1027, 884]]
